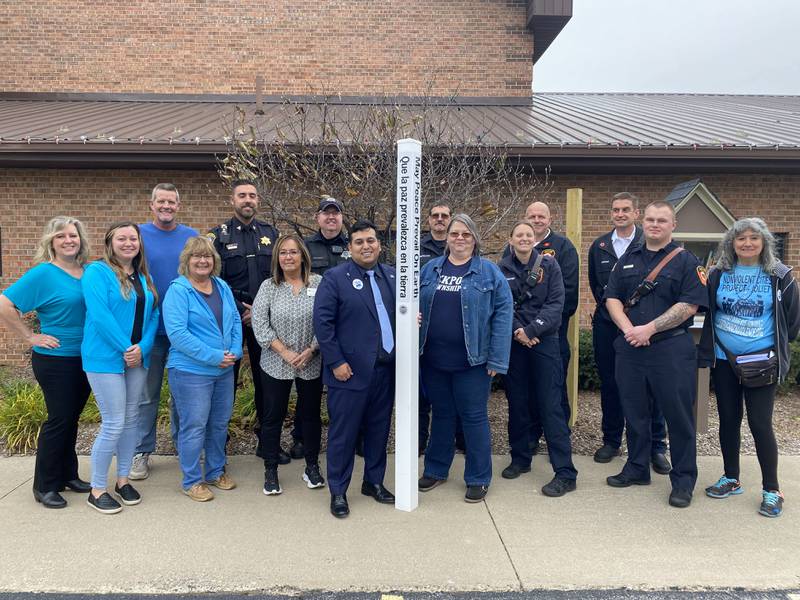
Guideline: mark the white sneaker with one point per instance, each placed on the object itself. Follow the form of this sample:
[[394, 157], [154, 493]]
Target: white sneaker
[[141, 467]]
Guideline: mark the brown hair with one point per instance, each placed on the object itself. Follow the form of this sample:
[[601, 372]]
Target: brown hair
[[305, 259], [139, 263]]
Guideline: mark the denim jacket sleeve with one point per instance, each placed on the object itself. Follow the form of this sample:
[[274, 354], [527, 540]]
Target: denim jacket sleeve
[[500, 321]]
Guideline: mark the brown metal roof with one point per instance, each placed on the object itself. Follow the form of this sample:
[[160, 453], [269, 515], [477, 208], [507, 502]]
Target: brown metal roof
[[548, 125]]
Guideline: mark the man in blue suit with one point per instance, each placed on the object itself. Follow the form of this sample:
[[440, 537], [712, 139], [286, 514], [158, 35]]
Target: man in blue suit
[[354, 324]]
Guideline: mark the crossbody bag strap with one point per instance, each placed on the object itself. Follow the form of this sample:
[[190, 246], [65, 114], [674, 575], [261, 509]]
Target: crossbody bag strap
[[651, 277]]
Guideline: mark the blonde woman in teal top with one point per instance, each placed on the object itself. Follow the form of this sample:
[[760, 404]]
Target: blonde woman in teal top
[[53, 289], [121, 324]]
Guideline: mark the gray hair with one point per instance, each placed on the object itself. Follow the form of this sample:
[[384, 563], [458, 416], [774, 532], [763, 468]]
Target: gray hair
[[727, 255], [167, 187], [45, 252], [467, 222]]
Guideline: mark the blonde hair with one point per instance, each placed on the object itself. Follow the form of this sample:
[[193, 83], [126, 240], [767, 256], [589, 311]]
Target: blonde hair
[[45, 253], [139, 263], [198, 245], [305, 259]]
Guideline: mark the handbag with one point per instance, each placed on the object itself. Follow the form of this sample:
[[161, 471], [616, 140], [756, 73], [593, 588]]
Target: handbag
[[755, 369]]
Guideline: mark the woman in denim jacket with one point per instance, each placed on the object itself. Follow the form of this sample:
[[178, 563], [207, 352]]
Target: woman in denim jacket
[[465, 339]]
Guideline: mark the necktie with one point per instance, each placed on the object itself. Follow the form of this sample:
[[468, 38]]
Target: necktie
[[387, 339]]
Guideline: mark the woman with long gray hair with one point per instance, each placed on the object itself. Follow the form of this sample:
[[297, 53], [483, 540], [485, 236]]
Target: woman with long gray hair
[[754, 312], [53, 289]]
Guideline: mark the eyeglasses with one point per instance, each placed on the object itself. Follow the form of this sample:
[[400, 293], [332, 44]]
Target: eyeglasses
[[442, 216], [285, 253], [202, 256], [460, 234]]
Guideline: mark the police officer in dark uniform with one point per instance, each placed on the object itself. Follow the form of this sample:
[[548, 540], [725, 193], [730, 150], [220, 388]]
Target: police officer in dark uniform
[[245, 246], [328, 247], [603, 255], [534, 377], [652, 295]]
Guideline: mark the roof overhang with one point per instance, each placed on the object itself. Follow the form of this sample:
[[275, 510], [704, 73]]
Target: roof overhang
[[546, 19]]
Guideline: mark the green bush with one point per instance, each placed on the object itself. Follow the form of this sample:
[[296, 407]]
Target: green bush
[[22, 412], [794, 369], [588, 377]]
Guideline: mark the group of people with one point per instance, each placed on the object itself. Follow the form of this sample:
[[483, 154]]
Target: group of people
[[319, 312]]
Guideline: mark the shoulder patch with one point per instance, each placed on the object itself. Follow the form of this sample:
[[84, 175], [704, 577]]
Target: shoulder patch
[[702, 275], [211, 235], [549, 252]]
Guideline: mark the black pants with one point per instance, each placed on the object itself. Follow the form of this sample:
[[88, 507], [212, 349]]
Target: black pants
[[66, 390], [760, 402], [309, 399], [534, 381], [254, 353], [604, 332], [537, 428]]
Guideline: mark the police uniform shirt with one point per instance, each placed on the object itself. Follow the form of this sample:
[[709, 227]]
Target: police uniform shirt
[[246, 255], [681, 280], [326, 253], [429, 249]]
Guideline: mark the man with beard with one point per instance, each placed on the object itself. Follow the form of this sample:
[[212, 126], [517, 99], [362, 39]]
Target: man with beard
[[245, 246]]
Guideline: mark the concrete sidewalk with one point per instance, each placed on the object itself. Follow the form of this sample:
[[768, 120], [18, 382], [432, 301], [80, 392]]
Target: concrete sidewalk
[[596, 537]]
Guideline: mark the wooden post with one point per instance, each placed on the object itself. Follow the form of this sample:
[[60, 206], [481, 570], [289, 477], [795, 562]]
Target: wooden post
[[574, 223]]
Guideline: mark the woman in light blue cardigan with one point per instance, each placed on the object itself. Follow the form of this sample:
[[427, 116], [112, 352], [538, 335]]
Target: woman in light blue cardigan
[[205, 334], [121, 322]]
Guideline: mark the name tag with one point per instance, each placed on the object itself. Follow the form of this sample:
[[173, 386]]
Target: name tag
[[510, 278], [232, 246], [311, 292], [604, 262], [628, 266]]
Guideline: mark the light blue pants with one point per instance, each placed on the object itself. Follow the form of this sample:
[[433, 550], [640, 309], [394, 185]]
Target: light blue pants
[[204, 403], [117, 396], [151, 397]]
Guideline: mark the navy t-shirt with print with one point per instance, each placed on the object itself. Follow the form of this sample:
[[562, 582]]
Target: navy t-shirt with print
[[445, 348]]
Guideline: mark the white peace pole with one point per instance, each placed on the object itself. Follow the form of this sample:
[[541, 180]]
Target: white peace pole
[[406, 438]]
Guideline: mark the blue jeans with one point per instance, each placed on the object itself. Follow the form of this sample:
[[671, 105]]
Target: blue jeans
[[117, 396], [204, 404], [463, 394], [151, 397]]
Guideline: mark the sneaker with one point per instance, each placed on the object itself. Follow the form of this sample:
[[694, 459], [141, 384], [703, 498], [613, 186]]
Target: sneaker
[[297, 451], [476, 493], [513, 471], [313, 477], [141, 466], [724, 487], [104, 504], [223, 482], [558, 487], [426, 484], [771, 504], [272, 486], [128, 494], [199, 492]]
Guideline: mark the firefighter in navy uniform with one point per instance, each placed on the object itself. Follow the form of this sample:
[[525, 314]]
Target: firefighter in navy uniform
[[534, 377], [603, 255], [559, 247], [328, 247], [245, 247], [652, 295]]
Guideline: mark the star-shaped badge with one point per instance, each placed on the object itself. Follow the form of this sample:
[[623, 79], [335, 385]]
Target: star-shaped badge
[[266, 241]]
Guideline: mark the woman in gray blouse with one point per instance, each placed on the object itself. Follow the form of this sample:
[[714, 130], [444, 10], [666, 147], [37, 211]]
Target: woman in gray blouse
[[282, 321]]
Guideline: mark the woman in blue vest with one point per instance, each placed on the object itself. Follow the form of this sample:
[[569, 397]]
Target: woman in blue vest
[[534, 382], [205, 333], [121, 323], [754, 308], [53, 289]]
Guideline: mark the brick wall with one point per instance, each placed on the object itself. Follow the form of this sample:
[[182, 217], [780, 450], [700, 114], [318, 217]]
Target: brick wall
[[350, 47], [28, 198]]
